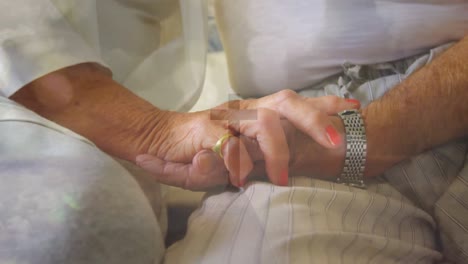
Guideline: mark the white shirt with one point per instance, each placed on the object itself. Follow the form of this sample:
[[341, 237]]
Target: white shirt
[[276, 44], [270, 44], [156, 48]]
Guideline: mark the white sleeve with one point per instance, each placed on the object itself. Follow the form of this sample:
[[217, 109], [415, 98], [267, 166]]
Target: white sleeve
[[36, 39]]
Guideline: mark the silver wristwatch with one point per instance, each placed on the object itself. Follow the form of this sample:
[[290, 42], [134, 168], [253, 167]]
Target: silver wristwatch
[[356, 149]]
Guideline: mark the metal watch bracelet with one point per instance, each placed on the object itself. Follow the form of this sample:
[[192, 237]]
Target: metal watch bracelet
[[356, 149]]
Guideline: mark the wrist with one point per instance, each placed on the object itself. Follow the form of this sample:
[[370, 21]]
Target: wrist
[[152, 130], [356, 149], [386, 142], [85, 99]]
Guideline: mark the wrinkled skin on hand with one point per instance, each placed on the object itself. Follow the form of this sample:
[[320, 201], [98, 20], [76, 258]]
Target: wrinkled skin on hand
[[276, 133]]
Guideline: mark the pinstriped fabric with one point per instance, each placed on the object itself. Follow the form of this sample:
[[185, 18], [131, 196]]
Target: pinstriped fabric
[[326, 223], [451, 212], [426, 177], [423, 179], [394, 221]]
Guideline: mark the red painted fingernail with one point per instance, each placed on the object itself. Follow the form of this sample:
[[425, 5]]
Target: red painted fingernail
[[242, 182], [236, 184], [354, 102], [333, 136], [284, 178]]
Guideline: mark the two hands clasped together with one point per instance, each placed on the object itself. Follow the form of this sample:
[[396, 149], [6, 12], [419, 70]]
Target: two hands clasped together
[[276, 135]]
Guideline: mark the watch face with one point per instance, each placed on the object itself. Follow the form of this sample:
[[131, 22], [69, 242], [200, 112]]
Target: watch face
[[349, 112]]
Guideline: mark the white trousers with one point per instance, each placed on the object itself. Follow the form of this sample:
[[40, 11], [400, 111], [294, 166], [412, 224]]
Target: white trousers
[[62, 200]]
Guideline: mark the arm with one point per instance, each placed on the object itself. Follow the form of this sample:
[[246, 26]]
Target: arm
[[427, 109], [46, 66], [85, 99]]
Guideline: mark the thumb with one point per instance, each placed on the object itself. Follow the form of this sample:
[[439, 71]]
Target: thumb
[[205, 171], [207, 161]]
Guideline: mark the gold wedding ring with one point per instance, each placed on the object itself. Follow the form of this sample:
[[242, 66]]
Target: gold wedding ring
[[219, 145]]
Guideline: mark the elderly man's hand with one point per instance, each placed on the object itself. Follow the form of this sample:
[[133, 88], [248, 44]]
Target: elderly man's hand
[[313, 160], [266, 127]]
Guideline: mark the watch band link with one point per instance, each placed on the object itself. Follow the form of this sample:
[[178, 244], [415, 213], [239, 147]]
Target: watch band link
[[356, 149]]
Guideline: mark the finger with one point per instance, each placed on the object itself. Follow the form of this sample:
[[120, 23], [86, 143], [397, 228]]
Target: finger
[[332, 104], [329, 104], [253, 148], [236, 157], [205, 171], [234, 153], [268, 132], [237, 161], [310, 115], [311, 120]]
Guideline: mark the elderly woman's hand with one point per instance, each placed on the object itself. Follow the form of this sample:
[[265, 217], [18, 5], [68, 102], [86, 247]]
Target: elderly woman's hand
[[182, 155], [310, 154]]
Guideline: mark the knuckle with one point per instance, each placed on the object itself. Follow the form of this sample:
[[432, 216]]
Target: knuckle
[[266, 116], [333, 100], [313, 121], [285, 100], [286, 95], [247, 103], [314, 117]]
